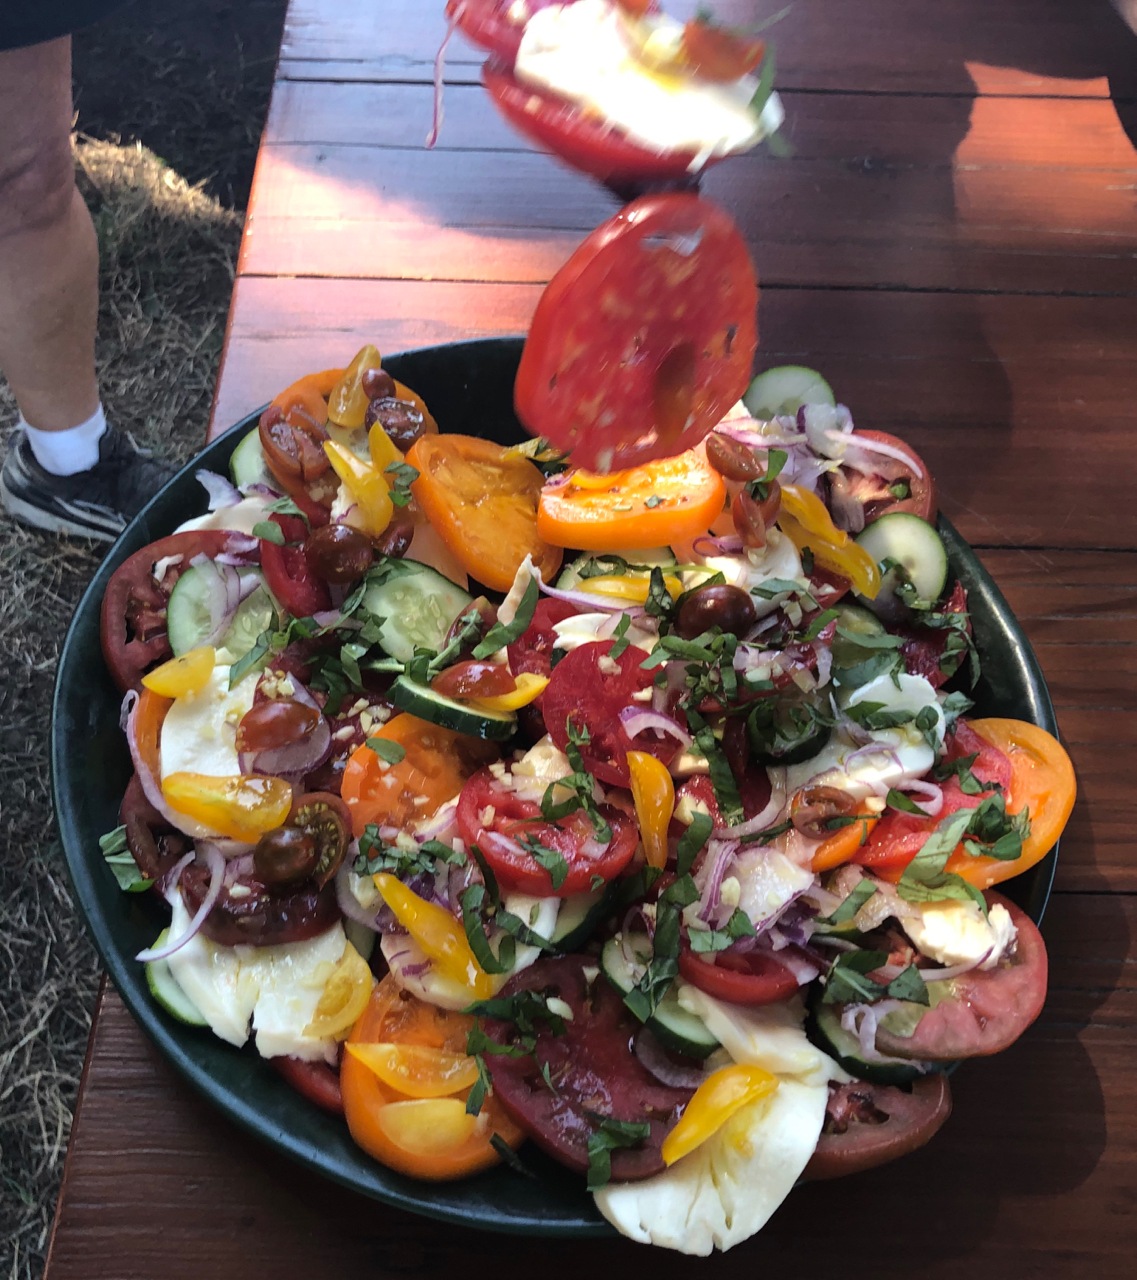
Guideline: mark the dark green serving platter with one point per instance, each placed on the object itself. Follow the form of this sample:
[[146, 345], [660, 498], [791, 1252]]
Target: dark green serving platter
[[469, 387]]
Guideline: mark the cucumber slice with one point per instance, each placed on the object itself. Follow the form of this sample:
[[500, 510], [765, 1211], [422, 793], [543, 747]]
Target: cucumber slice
[[825, 1030], [914, 545], [572, 575], [187, 616], [855, 620], [247, 463], [417, 605], [166, 991], [422, 701], [784, 390], [579, 916], [679, 1030]]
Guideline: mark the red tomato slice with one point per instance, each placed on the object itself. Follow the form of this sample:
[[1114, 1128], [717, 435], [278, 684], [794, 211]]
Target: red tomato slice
[[923, 650], [533, 649], [875, 490], [586, 689], [316, 1081], [515, 818], [581, 140], [751, 977], [898, 837], [644, 339], [289, 575]]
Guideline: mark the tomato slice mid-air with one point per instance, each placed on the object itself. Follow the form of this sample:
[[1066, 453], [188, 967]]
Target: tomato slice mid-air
[[482, 500], [501, 839], [645, 338]]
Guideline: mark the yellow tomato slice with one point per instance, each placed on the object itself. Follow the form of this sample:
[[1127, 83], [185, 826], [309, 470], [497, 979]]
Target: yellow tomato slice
[[344, 997], [347, 401], [719, 1097], [238, 807], [180, 676], [805, 520], [653, 793], [427, 1126], [366, 486], [529, 688], [417, 1070], [658, 504], [482, 500], [1042, 781]]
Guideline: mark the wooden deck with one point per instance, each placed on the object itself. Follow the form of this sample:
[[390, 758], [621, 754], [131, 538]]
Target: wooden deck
[[954, 243]]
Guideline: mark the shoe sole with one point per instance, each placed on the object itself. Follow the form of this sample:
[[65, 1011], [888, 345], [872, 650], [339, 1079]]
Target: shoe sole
[[35, 517]]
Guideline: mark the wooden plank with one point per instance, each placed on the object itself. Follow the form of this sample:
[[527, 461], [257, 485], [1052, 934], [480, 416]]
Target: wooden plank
[[1001, 395], [893, 46], [1026, 1179], [873, 130], [832, 220]]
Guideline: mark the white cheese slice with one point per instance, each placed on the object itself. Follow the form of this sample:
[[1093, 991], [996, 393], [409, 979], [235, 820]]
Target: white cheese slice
[[199, 733], [275, 988], [240, 517], [582, 628], [955, 932], [725, 1190]]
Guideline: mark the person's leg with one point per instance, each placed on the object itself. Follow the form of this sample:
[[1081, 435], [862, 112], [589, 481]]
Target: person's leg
[[64, 471], [49, 257]]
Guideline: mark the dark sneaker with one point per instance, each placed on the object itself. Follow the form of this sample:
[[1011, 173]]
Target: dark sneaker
[[92, 504]]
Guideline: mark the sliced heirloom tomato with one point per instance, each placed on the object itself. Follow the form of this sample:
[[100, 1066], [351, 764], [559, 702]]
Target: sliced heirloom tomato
[[657, 504], [405, 1078], [596, 1074], [745, 977], [433, 769], [644, 339], [988, 1009], [482, 500], [502, 840], [591, 688], [133, 617], [881, 489], [867, 1125], [288, 572], [316, 1081]]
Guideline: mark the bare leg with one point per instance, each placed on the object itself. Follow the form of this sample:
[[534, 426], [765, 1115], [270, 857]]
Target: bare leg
[[48, 249]]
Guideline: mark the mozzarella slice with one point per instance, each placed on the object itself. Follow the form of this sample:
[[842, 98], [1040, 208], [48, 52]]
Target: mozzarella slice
[[769, 1036], [199, 733], [275, 988], [768, 882], [585, 628], [240, 517], [778, 559], [727, 1188], [954, 932]]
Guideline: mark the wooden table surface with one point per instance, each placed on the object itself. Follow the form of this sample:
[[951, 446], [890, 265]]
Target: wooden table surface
[[954, 243]]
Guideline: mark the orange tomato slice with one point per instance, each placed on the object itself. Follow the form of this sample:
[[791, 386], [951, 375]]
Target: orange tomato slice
[[1042, 781], [482, 499], [843, 844], [401, 1055], [434, 768], [656, 504]]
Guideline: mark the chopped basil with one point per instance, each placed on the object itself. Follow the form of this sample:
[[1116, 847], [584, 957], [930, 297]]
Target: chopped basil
[[692, 841], [620, 639], [503, 633], [960, 769], [904, 804], [643, 999], [403, 475], [269, 531], [848, 981], [659, 603], [608, 1136], [116, 853], [552, 860], [738, 926]]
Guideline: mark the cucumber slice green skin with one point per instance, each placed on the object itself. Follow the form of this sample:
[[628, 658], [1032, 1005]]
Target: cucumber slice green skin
[[187, 618], [417, 605], [580, 916], [782, 391], [915, 545], [823, 1027], [165, 990], [247, 463], [675, 1028], [422, 701], [862, 622]]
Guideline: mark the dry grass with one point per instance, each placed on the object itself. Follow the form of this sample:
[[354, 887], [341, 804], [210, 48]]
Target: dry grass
[[168, 252]]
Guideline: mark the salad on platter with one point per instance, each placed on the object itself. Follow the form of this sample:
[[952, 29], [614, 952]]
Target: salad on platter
[[616, 791]]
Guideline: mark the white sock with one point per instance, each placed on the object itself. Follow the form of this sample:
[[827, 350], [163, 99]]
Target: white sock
[[66, 453]]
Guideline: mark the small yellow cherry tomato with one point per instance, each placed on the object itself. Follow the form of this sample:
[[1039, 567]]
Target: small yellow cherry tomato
[[347, 402], [654, 794], [183, 675]]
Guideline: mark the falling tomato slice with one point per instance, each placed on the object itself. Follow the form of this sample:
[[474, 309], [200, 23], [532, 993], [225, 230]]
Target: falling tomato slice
[[644, 338]]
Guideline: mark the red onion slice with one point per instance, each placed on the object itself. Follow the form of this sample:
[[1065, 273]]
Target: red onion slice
[[655, 1059], [211, 856], [857, 446], [709, 544], [221, 492], [928, 795], [439, 72], [862, 1021], [585, 601], [349, 904], [769, 816], [947, 972], [637, 720]]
